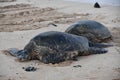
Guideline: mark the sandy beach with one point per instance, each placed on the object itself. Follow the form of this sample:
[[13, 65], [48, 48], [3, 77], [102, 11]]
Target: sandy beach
[[21, 20]]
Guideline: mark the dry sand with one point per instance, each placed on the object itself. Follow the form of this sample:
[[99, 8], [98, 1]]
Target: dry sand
[[21, 20]]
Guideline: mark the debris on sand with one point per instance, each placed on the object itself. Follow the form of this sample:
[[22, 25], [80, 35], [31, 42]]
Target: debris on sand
[[29, 68], [96, 5], [76, 66]]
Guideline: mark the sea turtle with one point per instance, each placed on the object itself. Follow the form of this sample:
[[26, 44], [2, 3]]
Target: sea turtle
[[93, 30], [54, 47]]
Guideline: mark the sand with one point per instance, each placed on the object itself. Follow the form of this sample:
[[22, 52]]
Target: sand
[[23, 19]]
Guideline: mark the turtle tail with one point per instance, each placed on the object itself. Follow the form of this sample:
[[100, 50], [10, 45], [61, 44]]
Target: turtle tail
[[94, 50], [99, 45]]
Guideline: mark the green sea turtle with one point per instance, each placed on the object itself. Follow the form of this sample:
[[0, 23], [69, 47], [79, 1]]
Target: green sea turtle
[[94, 31], [54, 47]]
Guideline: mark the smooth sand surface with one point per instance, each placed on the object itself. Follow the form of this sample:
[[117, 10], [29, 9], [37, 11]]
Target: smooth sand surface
[[22, 20]]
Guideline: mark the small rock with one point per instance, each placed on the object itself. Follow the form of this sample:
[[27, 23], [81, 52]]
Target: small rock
[[16, 73], [76, 66], [52, 24], [96, 5], [29, 68]]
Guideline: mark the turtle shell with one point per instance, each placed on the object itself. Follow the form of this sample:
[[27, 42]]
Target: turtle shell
[[94, 31], [58, 41], [53, 47]]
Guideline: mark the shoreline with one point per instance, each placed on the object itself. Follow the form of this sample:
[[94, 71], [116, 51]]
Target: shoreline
[[116, 4]]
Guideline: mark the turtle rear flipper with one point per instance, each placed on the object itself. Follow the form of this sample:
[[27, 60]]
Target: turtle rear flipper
[[13, 51], [94, 50], [99, 45]]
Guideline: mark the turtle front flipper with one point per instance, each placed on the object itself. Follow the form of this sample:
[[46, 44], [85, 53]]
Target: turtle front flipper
[[94, 50], [99, 45]]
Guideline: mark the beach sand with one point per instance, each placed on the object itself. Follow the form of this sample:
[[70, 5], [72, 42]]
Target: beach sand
[[23, 19]]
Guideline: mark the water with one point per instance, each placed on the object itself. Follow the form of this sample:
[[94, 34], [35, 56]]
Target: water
[[104, 2]]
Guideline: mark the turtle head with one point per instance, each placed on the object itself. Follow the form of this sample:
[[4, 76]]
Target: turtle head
[[22, 55]]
